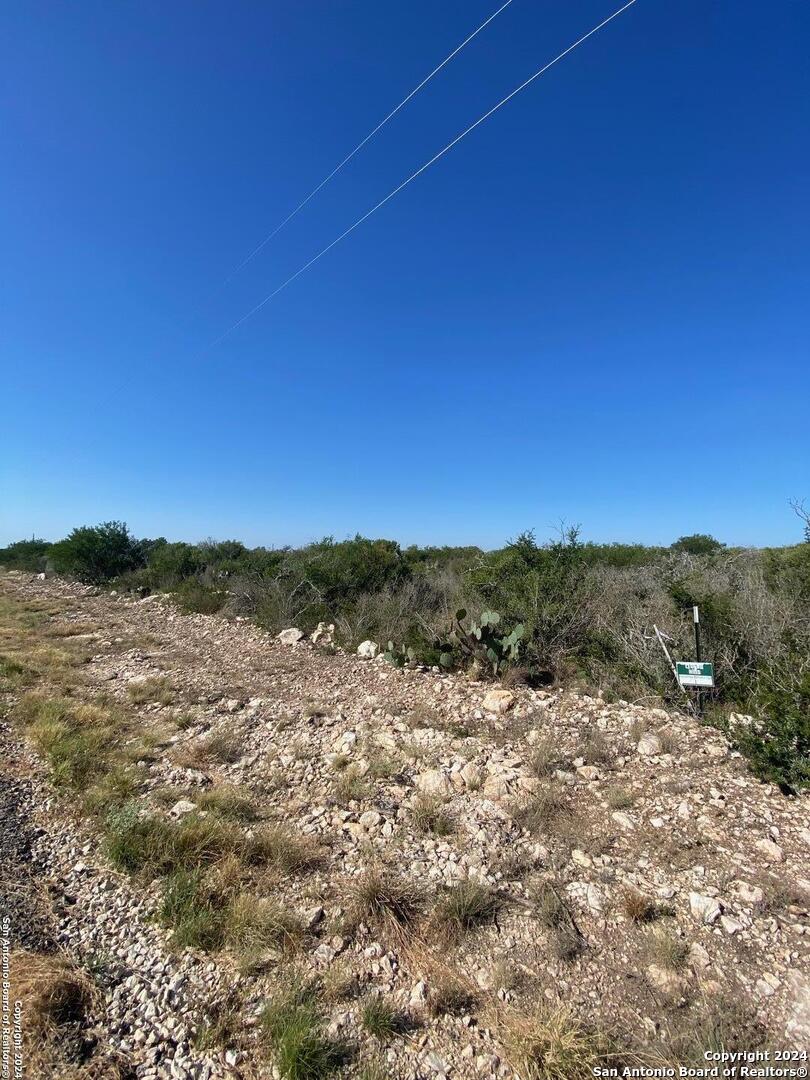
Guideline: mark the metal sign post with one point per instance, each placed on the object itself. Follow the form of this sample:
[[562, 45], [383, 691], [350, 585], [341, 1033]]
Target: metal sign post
[[696, 618]]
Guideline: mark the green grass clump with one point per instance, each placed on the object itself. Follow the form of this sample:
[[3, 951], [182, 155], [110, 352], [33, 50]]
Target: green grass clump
[[228, 802], [13, 674], [294, 1032], [75, 739], [465, 905], [379, 1019], [197, 918], [281, 850], [378, 898], [153, 690], [138, 842]]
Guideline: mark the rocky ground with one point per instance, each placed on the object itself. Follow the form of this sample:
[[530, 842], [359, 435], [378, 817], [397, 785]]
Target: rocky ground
[[629, 876]]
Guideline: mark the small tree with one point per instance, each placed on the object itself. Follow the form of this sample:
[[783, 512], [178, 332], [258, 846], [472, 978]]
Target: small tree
[[697, 544], [94, 554]]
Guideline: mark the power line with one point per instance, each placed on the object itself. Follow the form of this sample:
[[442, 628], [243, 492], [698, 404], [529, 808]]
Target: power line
[[420, 170], [368, 137]]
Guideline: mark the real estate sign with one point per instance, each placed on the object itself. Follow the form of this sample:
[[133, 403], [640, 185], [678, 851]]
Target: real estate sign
[[694, 673]]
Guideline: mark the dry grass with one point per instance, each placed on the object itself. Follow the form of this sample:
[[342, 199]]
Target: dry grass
[[542, 812], [665, 949], [620, 798], [464, 906], [350, 786], [597, 750], [223, 747], [550, 1044], [430, 815], [228, 801], [154, 690], [382, 900], [544, 759], [637, 907], [51, 990], [778, 894], [281, 850]]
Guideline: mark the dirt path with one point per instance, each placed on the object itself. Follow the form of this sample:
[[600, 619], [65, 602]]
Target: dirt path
[[613, 862]]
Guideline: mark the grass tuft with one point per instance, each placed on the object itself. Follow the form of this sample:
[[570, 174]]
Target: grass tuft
[[551, 1044], [294, 1033], [379, 1019], [464, 906], [429, 815], [380, 899], [154, 690]]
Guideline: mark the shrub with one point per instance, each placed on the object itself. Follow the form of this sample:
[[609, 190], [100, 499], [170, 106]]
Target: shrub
[[778, 749], [95, 554], [31, 555], [193, 597]]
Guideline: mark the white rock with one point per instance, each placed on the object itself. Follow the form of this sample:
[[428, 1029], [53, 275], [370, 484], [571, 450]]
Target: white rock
[[418, 993], [181, 807], [291, 636], [367, 650], [323, 634], [595, 899], [698, 956], [498, 701], [770, 850], [588, 772], [748, 894], [432, 782], [798, 1024], [662, 979], [622, 819], [649, 745], [731, 926], [471, 775], [706, 908]]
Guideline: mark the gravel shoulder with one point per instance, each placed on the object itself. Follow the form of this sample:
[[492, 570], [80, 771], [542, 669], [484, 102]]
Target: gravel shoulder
[[639, 879]]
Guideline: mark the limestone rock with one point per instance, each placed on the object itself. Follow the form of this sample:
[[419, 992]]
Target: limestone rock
[[367, 650], [706, 908], [649, 745], [770, 850], [432, 782], [498, 701], [182, 807], [323, 634], [290, 636]]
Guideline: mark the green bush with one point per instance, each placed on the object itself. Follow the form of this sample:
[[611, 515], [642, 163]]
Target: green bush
[[29, 555], [697, 544], [778, 749], [544, 589], [95, 554], [194, 596]]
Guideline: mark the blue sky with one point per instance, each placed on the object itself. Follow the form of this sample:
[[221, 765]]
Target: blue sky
[[593, 309]]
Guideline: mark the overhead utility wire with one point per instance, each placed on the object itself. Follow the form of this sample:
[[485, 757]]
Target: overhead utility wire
[[368, 137], [418, 172]]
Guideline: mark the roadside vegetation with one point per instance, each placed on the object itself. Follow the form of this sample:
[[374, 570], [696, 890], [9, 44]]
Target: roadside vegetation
[[560, 612]]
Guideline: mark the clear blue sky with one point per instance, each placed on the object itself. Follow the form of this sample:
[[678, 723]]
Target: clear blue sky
[[596, 308]]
